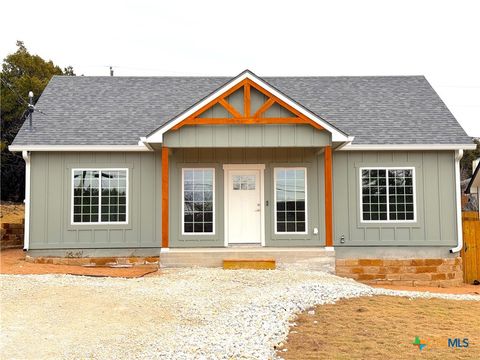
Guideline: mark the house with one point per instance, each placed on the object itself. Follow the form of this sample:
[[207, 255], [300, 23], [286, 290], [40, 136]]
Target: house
[[473, 187], [200, 169]]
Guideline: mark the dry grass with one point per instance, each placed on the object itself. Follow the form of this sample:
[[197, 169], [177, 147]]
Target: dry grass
[[384, 327], [12, 212]]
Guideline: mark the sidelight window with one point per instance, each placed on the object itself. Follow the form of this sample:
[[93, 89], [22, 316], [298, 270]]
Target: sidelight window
[[290, 200], [198, 201]]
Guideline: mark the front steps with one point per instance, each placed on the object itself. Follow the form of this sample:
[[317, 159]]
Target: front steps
[[252, 264], [305, 258]]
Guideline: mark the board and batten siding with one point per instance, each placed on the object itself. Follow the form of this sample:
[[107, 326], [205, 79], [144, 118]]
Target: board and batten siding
[[226, 136], [435, 200], [271, 157], [51, 187]]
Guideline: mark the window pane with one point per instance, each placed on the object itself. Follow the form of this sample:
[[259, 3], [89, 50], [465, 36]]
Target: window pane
[[377, 184], [198, 199], [114, 192], [290, 185], [400, 182], [85, 186], [374, 190]]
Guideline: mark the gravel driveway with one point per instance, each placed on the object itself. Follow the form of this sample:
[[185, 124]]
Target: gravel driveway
[[183, 314]]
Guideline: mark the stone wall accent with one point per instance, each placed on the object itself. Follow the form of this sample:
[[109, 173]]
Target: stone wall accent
[[11, 236], [94, 261], [405, 272]]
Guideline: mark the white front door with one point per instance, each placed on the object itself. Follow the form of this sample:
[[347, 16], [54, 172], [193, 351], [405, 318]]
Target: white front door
[[244, 206]]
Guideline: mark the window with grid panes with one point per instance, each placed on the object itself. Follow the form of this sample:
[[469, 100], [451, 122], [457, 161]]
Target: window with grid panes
[[290, 200], [388, 194], [198, 201], [99, 196]]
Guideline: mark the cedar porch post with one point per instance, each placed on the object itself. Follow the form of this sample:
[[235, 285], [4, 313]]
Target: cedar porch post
[[328, 197], [164, 197]]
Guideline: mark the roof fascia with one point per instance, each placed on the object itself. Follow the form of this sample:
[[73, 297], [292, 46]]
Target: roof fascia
[[80, 148], [376, 147]]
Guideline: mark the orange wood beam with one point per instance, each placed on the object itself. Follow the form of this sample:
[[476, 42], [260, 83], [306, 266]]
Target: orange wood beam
[[285, 105], [164, 197], [242, 121], [246, 100], [264, 107], [229, 108], [328, 196], [246, 118]]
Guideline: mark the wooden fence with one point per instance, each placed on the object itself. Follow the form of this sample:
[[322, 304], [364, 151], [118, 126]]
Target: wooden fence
[[471, 246]]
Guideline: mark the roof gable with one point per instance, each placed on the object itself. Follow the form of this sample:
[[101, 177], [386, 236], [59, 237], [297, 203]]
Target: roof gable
[[245, 82]]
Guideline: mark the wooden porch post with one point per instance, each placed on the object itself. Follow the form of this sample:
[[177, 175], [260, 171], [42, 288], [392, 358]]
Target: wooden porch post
[[164, 197], [328, 197]]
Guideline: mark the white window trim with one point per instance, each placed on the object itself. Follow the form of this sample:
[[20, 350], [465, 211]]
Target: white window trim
[[275, 202], [183, 203], [99, 222], [414, 190]]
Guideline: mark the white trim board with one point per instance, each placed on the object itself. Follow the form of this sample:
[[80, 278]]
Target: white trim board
[[15, 148], [26, 241], [226, 169], [380, 147], [157, 135]]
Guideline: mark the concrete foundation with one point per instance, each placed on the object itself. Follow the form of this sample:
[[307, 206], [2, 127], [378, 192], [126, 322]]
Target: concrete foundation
[[319, 259]]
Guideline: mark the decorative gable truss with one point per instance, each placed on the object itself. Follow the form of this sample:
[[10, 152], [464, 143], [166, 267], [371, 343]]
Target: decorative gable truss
[[246, 103], [246, 99]]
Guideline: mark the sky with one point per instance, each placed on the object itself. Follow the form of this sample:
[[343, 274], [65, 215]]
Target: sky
[[438, 39]]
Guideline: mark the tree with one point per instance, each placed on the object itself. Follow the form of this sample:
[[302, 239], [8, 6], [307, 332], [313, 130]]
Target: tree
[[21, 72], [466, 162]]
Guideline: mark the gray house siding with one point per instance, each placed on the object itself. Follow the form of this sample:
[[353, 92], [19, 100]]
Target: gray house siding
[[435, 193], [187, 158], [50, 220], [247, 136], [51, 228]]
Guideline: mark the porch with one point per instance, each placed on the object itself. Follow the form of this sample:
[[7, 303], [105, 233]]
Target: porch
[[301, 258], [259, 197], [249, 167]]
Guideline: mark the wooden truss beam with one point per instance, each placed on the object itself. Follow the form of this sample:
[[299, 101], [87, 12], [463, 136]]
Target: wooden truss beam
[[240, 121], [246, 117], [266, 105], [230, 108]]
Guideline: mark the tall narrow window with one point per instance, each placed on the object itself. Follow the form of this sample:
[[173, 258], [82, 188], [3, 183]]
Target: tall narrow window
[[290, 200], [388, 194], [198, 201], [99, 196]]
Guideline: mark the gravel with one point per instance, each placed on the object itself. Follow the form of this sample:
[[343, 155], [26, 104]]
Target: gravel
[[183, 314]]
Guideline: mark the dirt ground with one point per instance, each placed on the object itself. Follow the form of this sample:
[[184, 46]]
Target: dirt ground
[[13, 262], [11, 212], [384, 327]]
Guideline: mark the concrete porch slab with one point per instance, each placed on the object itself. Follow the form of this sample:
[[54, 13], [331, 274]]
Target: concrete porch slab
[[319, 259]]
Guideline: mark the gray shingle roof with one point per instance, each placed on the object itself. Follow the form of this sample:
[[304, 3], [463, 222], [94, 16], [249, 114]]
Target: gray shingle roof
[[119, 110]]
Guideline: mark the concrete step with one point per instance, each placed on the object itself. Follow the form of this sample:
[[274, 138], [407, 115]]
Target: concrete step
[[298, 258]]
